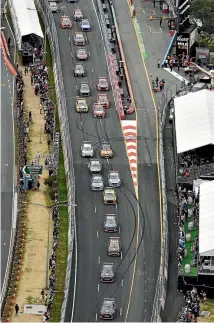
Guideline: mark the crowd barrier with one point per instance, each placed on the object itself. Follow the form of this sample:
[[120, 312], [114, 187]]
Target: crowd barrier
[[4, 47]]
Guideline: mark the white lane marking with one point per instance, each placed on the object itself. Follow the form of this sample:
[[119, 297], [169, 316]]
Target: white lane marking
[[145, 301], [98, 287], [5, 164], [122, 282], [98, 260], [119, 230], [96, 317], [4, 244], [89, 54], [92, 70], [121, 311], [100, 121], [76, 87], [69, 38], [97, 234], [72, 54], [121, 255], [116, 205], [95, 86], [107, 161], [95, 210], [178, 76], [145, 310]]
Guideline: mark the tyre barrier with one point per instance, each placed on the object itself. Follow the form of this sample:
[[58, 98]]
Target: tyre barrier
[[7, 60], [118, 98]]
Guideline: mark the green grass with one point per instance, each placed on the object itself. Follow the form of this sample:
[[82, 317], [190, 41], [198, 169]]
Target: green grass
[[62, 250], [189, 257]]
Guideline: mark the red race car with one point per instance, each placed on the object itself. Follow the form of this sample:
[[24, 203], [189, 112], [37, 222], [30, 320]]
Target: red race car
[[98, 111], [66, 22], [102, 99], [102, 84]]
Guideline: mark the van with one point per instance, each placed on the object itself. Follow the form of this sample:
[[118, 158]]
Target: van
[[199, 86], [53, 7]]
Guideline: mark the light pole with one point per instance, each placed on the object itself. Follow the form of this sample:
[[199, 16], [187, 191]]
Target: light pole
[[49, 209], [45, 39]]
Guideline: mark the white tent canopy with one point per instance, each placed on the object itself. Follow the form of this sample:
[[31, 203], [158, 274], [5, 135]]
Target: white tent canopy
[[206, 219], [27, 20], [194, 120]]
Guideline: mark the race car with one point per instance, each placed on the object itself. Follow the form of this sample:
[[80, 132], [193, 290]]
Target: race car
[[79, 70], [98, 111], [102, 99], [109, 195], [85, 25], [114, 247], [95, 166], [108, 309], [82, 54], [84, 89], [87, 149], [106, 151], [97, 183], [102, 84], [107, 273], [110, 223], [114, 178], [81, 105], [77, 14], [79, 39], [66, 22]]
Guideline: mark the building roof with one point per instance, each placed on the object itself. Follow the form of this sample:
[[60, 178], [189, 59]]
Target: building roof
[[194, 120], [28, 20], [206, 219]]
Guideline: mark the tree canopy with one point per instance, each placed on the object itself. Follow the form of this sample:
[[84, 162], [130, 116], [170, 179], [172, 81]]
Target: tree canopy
[[204, 10]]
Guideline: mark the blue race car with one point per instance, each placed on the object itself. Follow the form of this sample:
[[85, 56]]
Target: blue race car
[[85, 25]]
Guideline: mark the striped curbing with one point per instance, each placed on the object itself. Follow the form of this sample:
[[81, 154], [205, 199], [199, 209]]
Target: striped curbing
[[130, 136]]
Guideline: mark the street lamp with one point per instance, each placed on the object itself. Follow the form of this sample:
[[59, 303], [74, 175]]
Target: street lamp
[[45, 40], [49, 209]]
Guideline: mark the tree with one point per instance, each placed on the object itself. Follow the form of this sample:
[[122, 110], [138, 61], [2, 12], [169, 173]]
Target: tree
[[204, 10]]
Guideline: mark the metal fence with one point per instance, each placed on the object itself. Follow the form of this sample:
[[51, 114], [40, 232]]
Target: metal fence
[[51, 32]]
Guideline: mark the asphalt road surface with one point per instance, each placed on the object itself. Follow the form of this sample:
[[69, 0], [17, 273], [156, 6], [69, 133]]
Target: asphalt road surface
[[90, 211], [147, 148], [7, 162]]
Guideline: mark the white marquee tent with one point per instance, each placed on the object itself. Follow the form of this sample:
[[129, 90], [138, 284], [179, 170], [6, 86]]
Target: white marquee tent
[[194, 120], [206, 219], [25, 21]]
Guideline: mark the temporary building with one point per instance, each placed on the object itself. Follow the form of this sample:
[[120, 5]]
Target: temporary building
[[206, 219], [25, 19], [194, 120]]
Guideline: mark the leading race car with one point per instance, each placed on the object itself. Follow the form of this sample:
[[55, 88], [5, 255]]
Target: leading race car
[[97, 183], [77, 14], [66, 22], [98, 111], [82, 54], [106, 151], [81, 105], [102, 99], [87, 149], [102, 84], [114, 178], [79, 39], [109, 195], [79, 70], [85, 25]]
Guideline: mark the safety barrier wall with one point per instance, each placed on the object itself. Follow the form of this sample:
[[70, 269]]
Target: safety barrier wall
[[51, 31], [112, 72]]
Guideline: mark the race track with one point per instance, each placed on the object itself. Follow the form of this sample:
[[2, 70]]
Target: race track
[[90, 209]]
